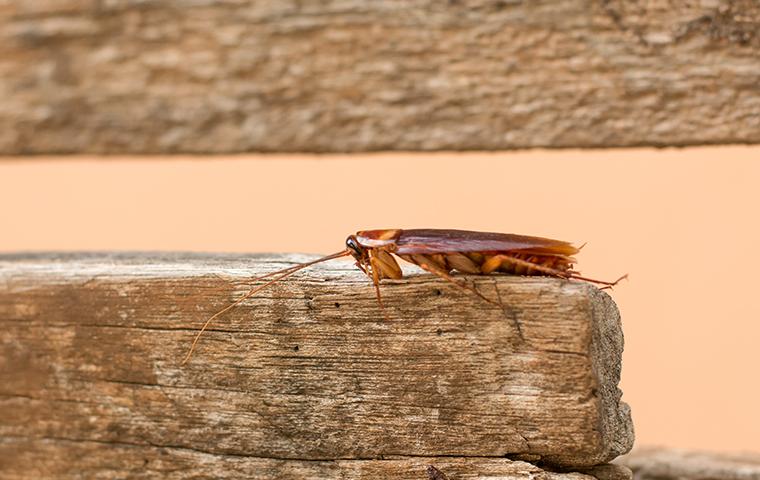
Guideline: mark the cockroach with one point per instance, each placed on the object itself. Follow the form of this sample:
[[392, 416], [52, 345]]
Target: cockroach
[[441, 252]]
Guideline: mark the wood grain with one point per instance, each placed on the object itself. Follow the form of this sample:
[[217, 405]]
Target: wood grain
[[309, 371], [217, 76]]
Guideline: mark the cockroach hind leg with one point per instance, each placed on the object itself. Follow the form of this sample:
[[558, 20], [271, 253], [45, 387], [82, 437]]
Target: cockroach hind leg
[[600, 282], [504, 259], [624, 277], [473, 287], [462, 285], [511, 315]]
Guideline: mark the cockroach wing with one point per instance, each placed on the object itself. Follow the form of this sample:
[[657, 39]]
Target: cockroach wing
[[428, 241]]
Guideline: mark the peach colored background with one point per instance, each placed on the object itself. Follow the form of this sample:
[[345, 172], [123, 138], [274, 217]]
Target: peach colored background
[[683, 223]]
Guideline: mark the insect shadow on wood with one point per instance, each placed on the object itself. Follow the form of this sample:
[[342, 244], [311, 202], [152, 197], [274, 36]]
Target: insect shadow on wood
[[440, 252]]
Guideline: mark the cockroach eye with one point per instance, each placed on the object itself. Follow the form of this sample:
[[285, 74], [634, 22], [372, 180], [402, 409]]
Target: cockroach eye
[[354, 247]]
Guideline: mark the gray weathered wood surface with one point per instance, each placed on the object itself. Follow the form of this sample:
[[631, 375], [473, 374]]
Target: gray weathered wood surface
[[655, 463], [222, 76], [90, 350]]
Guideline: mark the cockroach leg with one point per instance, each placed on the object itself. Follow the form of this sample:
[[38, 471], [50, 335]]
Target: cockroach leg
[[389, 268], [557, 273], [513, 318], [499, 260], [462, 263], [428, 267], [601, 282], [361, 267], [376, 281]]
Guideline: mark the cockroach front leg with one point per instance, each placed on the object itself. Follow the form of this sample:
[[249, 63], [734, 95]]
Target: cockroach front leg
[[376, 282], [361, 267], [387, 265]]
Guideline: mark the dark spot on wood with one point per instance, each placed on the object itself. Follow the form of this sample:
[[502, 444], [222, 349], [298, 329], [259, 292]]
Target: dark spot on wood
[[437, 291], [295, 349], [439, 332], [337, 304]]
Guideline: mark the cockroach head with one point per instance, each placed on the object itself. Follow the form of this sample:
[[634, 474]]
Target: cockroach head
[[353, 246]]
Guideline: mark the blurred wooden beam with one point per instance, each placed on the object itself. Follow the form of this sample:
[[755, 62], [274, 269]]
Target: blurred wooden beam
[[78, 76], [653, 463], [307, 371]]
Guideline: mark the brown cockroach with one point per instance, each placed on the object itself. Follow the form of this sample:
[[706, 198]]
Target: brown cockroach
[[441, 252]]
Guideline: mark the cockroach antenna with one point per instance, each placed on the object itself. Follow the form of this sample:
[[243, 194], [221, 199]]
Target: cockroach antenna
[[284, 273]]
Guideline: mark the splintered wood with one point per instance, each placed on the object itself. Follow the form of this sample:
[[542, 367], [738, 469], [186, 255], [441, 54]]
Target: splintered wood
[[304, 374]]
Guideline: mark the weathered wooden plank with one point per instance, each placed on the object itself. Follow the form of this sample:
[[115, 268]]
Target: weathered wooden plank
[[339, 76], [90, 350], [654, 463], [52, 458]]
